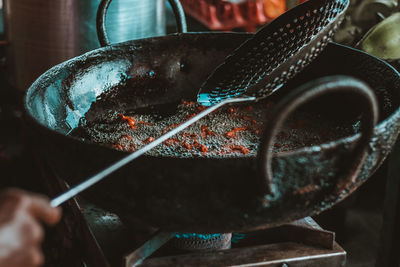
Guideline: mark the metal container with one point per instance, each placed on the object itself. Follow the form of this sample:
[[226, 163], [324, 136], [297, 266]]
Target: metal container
[[43, 33]]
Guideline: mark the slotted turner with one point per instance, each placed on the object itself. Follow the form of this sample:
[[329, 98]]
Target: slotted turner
[[276, 53], [256, 69]]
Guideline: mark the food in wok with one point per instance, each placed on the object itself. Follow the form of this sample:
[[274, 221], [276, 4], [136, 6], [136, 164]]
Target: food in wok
[[227, 132]]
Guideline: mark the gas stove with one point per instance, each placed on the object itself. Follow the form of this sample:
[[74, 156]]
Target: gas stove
[[104, 239]]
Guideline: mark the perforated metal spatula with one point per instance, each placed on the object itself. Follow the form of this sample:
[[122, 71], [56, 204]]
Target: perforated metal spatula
[[256, 69], [276, 53]]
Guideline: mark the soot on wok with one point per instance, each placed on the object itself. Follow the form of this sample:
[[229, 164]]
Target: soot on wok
[[230, 131]]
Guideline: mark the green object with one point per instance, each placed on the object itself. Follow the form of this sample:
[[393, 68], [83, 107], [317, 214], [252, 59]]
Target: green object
[[383, 40]]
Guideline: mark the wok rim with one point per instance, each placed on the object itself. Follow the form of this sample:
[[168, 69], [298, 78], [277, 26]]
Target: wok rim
[[45, 78]]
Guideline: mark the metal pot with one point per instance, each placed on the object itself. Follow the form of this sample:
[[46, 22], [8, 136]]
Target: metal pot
[[42, 33]]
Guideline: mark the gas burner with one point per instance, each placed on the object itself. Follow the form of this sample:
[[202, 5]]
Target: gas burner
[[201, 242], [301, 243]]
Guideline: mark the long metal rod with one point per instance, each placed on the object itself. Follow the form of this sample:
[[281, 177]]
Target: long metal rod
[[117, 165]]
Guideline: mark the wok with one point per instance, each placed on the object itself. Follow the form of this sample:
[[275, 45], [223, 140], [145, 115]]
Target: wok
[[199, 194]]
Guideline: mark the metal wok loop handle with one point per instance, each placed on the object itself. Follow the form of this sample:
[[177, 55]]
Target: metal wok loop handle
[[306, 93], [102, 16]]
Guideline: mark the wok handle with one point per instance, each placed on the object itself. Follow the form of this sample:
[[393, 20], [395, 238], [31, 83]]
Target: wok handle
[[102, 16], [306, 93]]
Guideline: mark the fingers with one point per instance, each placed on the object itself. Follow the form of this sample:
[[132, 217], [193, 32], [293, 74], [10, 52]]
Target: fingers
[[31, 230], [37, 205], [20, 217], [37, 257], [20, 242], [32, 257], [40, 208]]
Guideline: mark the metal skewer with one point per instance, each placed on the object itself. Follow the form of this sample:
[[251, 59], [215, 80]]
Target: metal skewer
[[119, 164]]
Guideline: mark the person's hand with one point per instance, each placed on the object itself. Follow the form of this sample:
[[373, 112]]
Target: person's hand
[[21, 233]]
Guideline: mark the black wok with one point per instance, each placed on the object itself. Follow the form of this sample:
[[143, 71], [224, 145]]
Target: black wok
[[207, 194]]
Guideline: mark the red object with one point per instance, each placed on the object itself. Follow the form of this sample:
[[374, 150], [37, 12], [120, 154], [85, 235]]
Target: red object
[[232, 133], [170, 141], [225, 15], [129, 120], [149, 140], [241, 149], [205, 131], [186, 145]]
